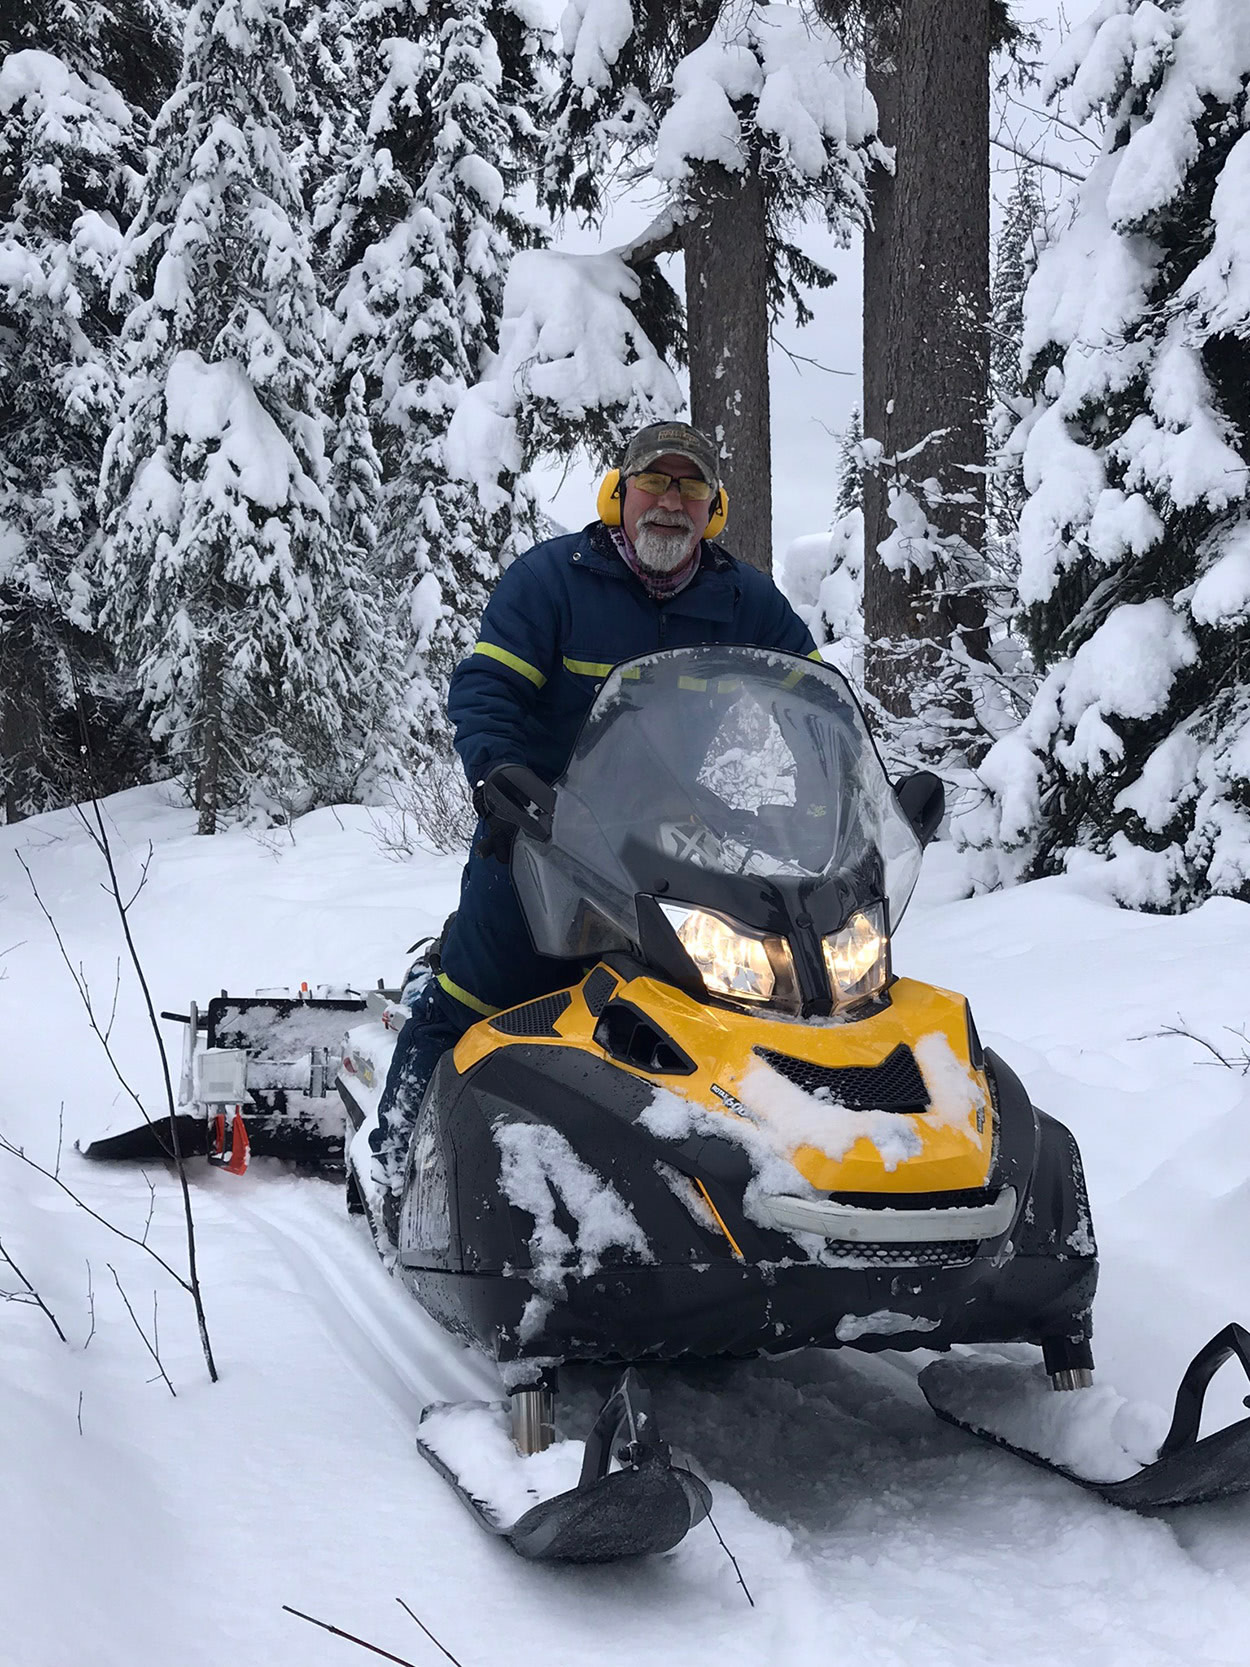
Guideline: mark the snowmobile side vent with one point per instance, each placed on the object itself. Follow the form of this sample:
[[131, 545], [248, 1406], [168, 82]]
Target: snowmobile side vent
[[535, 1018], [630, 1036], [894, 1085], [599, 989]]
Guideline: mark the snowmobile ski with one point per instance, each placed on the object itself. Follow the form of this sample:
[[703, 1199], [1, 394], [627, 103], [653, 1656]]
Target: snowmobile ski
[[1091, 1441], [646, 1506]]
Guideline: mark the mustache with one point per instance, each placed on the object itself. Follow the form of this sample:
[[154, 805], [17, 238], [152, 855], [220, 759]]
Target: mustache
[[670, 518]]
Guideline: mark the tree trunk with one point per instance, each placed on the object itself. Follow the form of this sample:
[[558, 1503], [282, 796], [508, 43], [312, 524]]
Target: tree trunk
[[930, 362], [884, 592], [727, 320], [211, 736]]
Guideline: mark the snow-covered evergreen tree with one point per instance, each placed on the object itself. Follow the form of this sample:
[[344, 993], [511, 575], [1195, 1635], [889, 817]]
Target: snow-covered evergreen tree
[[72, 84], [419, 227], [370, 760], [220, 571], [850, 467], [1135, 539], [1019, 242]]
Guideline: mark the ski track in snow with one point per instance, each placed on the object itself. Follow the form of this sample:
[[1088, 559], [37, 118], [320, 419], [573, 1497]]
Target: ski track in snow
[[174, 1530]]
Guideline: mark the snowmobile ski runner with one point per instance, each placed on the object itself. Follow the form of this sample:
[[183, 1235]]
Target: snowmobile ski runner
[[1008, 1405], [647, 1504]]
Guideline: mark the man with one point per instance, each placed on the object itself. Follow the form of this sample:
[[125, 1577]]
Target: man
[[560, 618]]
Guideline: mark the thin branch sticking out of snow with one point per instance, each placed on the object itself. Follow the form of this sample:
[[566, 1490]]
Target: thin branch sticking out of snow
[[30, 1294]]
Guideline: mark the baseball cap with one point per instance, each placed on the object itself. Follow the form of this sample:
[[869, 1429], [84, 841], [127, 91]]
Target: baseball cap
[[664, 439]]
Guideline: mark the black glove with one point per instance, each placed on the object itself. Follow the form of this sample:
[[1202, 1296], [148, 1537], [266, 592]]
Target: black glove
[[497, 840]]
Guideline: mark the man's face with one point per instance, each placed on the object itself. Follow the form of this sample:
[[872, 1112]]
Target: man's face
[[665, 530]]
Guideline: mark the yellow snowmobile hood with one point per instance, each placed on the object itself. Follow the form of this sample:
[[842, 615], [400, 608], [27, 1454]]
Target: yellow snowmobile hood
[[819, 1085]]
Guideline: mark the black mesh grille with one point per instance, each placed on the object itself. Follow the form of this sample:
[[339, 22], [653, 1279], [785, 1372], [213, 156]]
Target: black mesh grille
[[894, 1085], [922, 1255], [536, 1018], [598, 989]]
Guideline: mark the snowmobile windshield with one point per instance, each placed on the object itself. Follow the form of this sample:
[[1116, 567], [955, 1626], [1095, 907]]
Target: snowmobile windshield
[[720, 775]]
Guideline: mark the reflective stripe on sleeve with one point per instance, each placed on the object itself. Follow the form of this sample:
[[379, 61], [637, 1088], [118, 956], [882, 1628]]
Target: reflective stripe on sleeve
[[514, 662], [458, 993]]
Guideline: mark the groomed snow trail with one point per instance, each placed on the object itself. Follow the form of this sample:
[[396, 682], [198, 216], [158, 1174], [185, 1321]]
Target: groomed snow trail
[[174, 1529]]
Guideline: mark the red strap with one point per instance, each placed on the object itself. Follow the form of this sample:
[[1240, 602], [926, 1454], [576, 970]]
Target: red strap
[[219, 1134], [240, 1146]]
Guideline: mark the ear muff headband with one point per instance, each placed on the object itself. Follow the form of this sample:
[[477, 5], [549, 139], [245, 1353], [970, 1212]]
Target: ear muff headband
[[612, 493]]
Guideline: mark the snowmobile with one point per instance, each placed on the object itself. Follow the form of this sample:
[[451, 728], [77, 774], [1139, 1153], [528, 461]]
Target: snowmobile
[[736, 1131]]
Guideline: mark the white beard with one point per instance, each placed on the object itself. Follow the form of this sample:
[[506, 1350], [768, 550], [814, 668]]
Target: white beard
[[663, 548]]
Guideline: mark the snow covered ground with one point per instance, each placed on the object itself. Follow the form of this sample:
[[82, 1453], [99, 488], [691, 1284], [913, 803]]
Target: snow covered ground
[[139, 1528]]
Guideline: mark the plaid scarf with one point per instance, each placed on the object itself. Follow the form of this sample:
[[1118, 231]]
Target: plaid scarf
[[661, 586]]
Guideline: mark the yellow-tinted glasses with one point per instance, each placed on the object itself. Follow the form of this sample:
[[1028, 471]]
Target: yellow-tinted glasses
[[655, 485]]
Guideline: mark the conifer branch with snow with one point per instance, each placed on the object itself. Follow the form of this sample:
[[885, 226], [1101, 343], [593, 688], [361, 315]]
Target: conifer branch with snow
[[1135, 537]]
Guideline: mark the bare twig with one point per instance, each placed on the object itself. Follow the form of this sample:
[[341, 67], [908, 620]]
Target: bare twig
[[732, 1559], [80, 1412], [32, 1295], [1037, 161], [97, 832], [117, 985], [99, 835], [84, 994], [147, 1342], [147, 1225], [143, 880], [803, 359], [90, 1307], [425, 1629], [350, 1636], [6, 1145], [1240, 1063]]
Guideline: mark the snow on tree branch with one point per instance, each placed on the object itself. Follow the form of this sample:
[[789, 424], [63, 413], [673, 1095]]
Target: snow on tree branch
[[1135, 536], [571, 353]]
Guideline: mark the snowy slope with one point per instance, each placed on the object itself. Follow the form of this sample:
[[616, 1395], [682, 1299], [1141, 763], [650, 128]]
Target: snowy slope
[[172, 1530]]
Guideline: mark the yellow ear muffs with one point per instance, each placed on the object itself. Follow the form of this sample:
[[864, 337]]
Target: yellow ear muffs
[[608, 505], [719, 516]]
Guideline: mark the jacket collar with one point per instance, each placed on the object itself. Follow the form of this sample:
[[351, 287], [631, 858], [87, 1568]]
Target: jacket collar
[[712, 594]]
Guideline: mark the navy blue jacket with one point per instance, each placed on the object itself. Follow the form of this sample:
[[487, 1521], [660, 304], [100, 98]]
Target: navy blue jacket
[[569, 610]]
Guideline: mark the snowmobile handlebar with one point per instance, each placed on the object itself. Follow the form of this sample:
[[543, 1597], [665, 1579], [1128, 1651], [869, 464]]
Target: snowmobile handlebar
[[513, 794], [922, 799]]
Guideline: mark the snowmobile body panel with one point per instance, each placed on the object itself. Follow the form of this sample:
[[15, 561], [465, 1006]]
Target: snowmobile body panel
[[721, 1057], [515, 1125]]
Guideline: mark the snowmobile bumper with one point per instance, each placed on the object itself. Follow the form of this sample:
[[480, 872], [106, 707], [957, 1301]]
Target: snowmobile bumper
[[648, 1505], [673, 1311], [1008, 1406]]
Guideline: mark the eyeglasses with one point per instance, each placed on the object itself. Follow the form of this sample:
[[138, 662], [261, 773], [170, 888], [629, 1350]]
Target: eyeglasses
[[693, 487]]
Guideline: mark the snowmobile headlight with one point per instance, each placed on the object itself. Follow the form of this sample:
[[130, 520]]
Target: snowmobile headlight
[[857, 956], [732, 962]]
